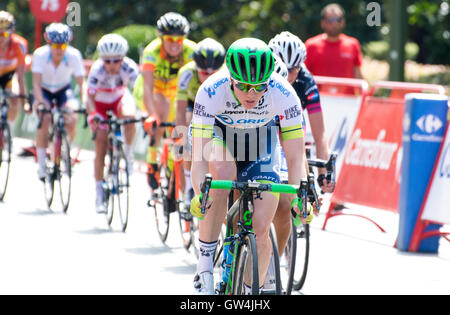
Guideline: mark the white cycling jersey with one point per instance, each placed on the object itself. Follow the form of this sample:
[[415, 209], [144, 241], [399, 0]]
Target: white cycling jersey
[[215, 100], [108, 88], [56, 78]]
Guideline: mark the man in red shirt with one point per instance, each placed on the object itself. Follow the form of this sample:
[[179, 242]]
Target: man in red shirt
[[333, 53]]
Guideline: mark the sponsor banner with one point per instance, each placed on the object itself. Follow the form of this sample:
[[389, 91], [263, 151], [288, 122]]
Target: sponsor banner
[[437, 203], [423, 130], [372, 159], [339, 114]]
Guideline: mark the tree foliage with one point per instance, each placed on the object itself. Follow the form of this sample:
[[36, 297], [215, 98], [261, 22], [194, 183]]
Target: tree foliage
[[228, 20]]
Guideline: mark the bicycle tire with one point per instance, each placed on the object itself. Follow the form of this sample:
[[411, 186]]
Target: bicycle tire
[[276, 261], [288, 260], [246, 257], [49, 181], [122, 187], [108, 187], [5, 158], [162, 204], [64, 169], [302, 255]]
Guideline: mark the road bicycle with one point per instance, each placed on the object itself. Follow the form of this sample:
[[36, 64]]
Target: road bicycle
[[116, 183], [58, 162], [169, 197], [295, 260], [5, 140], [238, 254]]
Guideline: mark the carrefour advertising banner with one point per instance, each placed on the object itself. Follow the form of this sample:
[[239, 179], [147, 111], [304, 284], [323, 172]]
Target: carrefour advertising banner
[[370, 173], [437, 206], [424, 125]]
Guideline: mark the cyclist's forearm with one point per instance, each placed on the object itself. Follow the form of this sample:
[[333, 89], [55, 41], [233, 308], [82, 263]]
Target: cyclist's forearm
[[181, 113], [320, 139], [90, 103], [198, 171], [37, 88], [149, 84], [296, 163], [21, 80], [80, 81], [199, 166]]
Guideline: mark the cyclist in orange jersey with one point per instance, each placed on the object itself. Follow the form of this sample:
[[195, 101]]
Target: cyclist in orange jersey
[[13, 49]]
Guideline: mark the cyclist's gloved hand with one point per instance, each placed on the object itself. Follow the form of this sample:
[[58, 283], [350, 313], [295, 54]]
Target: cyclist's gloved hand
[[150, 123], [324, 184], [196, 209], [296, 204]]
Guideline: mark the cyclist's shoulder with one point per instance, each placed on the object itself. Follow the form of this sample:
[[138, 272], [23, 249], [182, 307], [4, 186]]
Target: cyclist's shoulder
[[18, 41], [129, 64], [216, 85], [152, 51], [73, 52], [188, 68], [279, 85], [304, 78]]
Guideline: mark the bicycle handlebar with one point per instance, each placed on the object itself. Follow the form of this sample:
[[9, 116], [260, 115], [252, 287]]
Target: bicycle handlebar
[[302, 190]]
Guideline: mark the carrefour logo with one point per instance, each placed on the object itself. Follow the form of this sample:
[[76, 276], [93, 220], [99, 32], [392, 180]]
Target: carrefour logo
[[429, 123]]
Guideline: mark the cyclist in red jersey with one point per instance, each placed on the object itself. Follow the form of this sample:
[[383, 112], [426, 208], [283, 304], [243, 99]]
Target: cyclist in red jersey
[[13, 49]]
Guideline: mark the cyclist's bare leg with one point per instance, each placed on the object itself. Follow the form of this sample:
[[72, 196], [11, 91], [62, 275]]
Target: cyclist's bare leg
[[101, 146], [13, 109], [70, 120], [282, 222], [221, 167], [264, 213], [162, 109], [128, 110]]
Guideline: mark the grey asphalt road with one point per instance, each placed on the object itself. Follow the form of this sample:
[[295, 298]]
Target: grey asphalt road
[[47, 252]]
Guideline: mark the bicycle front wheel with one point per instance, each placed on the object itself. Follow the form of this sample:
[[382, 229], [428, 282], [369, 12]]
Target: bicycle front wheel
[[164, 204], [122, 185], [5, 158], [287, 261], [302, 256], [65, 171], [246, 267]]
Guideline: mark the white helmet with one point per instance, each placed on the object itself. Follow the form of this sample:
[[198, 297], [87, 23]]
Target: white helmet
[[112, 45], [279, 67], [290, 48]]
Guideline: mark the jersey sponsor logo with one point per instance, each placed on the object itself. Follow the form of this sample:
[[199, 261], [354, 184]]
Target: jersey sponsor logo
[[312, 96], [280, 87], [232, 104], [226, 119], [184, 80], [199, 110], [211, 90], [292, 112]]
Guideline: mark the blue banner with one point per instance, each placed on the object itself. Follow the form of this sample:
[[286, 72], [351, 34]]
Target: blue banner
[[424, 125]]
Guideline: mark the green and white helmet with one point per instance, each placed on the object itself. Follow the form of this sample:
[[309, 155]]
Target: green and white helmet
[[250, 60]]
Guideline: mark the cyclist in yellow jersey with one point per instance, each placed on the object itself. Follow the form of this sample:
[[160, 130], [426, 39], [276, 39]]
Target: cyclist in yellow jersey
[[209, 56], [162, 59]]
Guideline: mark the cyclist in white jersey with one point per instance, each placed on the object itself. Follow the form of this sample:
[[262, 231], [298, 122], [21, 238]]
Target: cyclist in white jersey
[[53, 67], [236, 107], [108, 83]]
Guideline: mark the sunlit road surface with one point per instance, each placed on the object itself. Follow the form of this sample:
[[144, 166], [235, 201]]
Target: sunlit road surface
[[47, 252]]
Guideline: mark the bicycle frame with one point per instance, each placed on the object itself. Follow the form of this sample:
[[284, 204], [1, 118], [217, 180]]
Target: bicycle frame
[[244, 207]]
